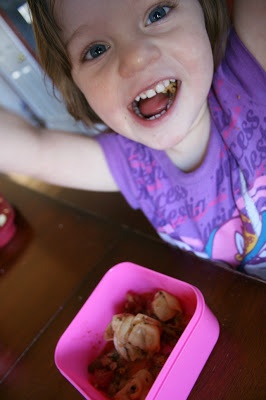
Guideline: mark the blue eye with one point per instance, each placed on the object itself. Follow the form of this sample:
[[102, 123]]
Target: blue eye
[[96, 51], [157, 13]]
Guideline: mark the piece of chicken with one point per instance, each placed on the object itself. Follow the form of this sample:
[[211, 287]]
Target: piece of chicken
[[166, 306], [137, 387], [134, 337]]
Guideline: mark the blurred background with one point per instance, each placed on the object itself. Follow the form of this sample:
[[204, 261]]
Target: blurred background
[[23, 88]]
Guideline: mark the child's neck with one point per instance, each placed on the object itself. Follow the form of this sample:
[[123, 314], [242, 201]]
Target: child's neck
[[190, 153]]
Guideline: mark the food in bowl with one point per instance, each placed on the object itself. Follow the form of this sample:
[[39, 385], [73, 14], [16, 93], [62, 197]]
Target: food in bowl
[[138, 343], [83, 339]]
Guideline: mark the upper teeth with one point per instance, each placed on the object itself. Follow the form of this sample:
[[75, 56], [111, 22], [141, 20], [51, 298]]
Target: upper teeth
[[159, 88]]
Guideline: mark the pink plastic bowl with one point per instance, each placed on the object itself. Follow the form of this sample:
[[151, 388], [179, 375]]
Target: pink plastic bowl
[[83, 339]]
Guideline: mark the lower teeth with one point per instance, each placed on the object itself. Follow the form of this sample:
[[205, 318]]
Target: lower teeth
[[153, 117]]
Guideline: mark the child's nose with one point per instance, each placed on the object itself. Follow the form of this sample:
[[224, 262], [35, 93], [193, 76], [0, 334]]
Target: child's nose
[[136, 56]]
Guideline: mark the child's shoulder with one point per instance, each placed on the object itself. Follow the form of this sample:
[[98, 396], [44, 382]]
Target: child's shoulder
[[249, 22], [240, 75]]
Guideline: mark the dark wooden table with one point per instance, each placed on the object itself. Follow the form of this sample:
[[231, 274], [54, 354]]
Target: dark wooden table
[[62, 249]]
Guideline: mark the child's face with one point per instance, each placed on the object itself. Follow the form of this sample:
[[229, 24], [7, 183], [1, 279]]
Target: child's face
[[122, 50]]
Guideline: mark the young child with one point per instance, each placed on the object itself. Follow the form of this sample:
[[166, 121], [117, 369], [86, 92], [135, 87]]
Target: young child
[[190, 146]]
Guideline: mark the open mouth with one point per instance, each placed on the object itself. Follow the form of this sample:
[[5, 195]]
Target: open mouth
[[155, 102]]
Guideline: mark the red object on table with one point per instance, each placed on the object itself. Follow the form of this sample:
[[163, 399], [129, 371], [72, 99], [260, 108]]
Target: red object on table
[[7, 224]]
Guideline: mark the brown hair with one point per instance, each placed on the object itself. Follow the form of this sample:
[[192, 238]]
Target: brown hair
[[216, 13], [57, 65]]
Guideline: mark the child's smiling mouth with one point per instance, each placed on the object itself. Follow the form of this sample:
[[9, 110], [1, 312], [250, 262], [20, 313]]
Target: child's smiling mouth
[[155, 102]]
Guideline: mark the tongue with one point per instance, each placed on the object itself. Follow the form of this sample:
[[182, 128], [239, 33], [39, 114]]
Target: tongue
[[153, 106]]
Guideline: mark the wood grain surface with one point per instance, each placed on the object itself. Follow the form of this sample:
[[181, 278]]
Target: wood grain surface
[[63, 246]]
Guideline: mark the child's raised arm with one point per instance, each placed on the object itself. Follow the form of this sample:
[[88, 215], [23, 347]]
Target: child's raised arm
[[61, 158], [250, 22]]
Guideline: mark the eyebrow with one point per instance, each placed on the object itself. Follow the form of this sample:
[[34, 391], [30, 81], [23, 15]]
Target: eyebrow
[[77, 32]]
